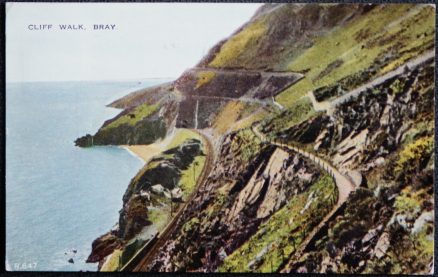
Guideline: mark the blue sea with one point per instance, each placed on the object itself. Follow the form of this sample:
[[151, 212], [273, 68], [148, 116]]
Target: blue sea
[[59, 197]]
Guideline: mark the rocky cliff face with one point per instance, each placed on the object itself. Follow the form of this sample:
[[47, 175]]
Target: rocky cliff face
[[363, 131], [260, 202], [386, 134], [154, 187], [148, 115], [249, 183], [381, 137]]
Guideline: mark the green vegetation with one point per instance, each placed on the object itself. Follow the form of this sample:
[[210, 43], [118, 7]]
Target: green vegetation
[[191, 224], [397, 86], [221, 199], [405, 244], [295, 92], [249, 120], [396, 32], [410, 201], [228, 116], [280, 236], [422, 127], [299, 111], [159, 217], [134, 116], [413, 155], [113, 262], [236, 115], [410, 252], [204, 77], [190, 176], [246, 145], [243, 41], [182, 135]]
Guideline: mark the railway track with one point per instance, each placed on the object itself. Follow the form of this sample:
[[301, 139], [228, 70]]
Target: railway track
[[154, 246]]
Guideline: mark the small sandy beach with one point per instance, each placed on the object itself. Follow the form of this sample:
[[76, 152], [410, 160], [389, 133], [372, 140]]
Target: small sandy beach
[[147, 151], [144, 152]]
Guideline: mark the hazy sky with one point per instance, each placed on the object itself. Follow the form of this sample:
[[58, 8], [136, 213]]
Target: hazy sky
[[149, 40]]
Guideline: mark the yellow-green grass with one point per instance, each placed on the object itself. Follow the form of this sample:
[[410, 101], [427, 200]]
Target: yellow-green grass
[[204, 77], [182, 135], [358, 44], [246, 145], [227, 116], [287, 226], [134, 116], [409, 201], [289, 96], [190, 176], [298, 112], [112, 263], [413, 154], [246, 39], [159, 217], [248, 121]]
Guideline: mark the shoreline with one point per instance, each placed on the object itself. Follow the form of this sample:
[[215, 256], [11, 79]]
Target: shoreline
[[132, 153], [143, 152]]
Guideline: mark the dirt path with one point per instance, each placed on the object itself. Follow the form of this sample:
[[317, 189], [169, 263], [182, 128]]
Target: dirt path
[[278, 105], [318, 106], [242, 71], [377, 81], [330, 105], [344, 185], [171, 226], [241, 99]]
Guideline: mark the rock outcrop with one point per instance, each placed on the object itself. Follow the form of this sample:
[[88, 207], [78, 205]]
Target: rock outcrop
[[240, 193], [157, 180]]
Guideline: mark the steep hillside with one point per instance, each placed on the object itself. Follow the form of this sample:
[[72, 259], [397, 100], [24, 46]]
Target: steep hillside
[[302, 103], [148, 115], [153, 195]]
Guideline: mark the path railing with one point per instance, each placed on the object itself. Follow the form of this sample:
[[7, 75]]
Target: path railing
[[343, 183]]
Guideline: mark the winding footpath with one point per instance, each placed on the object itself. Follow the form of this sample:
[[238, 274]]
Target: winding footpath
[[242, 71], [344, 185]]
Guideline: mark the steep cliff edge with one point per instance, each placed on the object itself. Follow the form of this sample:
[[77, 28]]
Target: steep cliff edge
[[381, 138], [386, 135], [147, 115], [157, 190], [286, 72]]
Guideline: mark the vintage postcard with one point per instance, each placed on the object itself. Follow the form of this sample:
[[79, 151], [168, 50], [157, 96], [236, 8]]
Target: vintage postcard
[[220, 137]]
